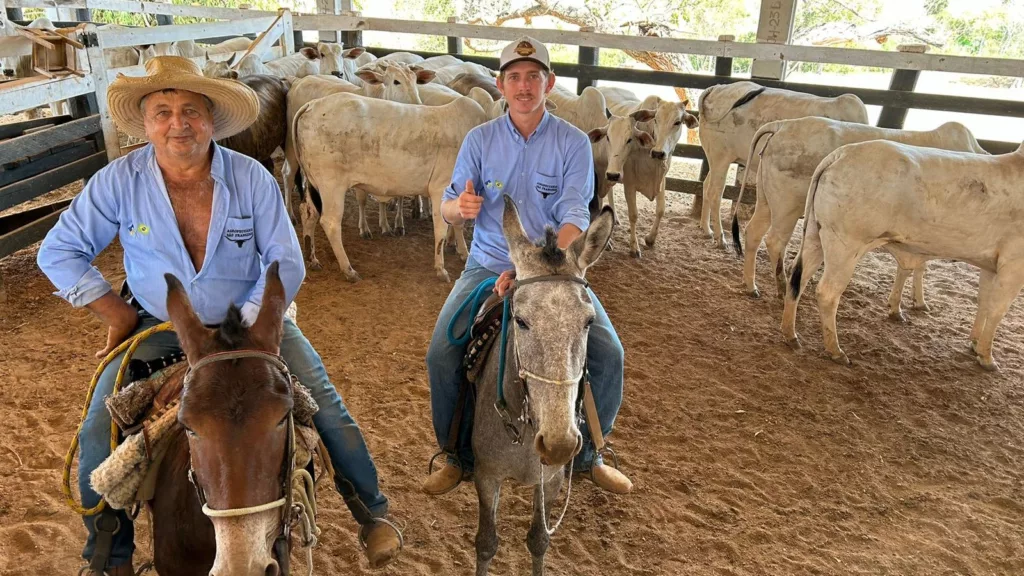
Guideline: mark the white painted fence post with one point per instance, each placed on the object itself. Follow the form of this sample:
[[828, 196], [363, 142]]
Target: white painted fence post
[[775, 26], [98, 69], [329, 7], [287, 37]]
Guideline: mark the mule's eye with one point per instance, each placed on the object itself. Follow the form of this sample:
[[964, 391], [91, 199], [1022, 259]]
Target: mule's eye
[[522, 323], [190, 433], [283, 421], [590, 322]]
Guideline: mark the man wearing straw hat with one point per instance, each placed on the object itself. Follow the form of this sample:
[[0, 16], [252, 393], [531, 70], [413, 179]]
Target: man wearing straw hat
[[215, 219]]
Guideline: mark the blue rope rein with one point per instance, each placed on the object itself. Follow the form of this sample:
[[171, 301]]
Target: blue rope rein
[[473, 303]]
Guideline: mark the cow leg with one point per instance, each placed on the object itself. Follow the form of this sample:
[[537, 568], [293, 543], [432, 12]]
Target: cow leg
[[896, 295], [838, 272], [288, 182], [758, 224], [1005, 285], [382, 214], [919, 301], [714, 187], [784, 221], [984, 297], [460, 242], [400, 215], [308, 218], [330, 220], [659, 212], [364, 227], [810, 258], [634, 244], [440, 232]]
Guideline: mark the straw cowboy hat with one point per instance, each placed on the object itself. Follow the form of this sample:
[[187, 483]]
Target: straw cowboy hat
[[235, 105]]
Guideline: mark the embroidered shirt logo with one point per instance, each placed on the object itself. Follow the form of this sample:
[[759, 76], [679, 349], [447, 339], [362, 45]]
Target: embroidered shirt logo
[[239, 235], [546, 189]]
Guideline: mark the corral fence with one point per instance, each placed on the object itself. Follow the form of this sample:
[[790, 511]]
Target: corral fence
[[41, 155]]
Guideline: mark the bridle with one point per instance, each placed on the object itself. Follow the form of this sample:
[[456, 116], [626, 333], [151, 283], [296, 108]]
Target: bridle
[[281, 543], [516, 432]]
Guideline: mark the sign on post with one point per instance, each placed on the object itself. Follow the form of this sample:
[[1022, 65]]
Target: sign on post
[[774, 27]]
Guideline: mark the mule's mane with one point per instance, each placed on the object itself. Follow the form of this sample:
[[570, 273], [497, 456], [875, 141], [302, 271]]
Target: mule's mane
[[231, 392], [551, 253], [232, 333]]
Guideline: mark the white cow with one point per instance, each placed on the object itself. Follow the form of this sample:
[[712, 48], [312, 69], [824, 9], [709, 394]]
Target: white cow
[[730, 115], [352, 60], [347, 141], [303, 63], [398, 83], [403, 57], [792, 150], [436, 63], [641, 136], [449, 73], [919, 203]]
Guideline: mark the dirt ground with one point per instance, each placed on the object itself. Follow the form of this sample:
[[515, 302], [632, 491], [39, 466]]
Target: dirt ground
[[748, 457]]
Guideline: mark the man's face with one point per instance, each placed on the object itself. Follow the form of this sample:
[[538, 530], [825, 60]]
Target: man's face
[[178, 123], [525, 86]]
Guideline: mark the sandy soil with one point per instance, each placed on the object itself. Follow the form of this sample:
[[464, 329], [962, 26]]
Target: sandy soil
[[748, 458]]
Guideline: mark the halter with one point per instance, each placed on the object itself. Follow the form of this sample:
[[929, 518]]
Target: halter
[[500, 405], [288, 467]]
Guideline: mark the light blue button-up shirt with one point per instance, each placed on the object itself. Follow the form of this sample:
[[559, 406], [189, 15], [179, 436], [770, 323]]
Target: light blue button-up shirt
[[249, 229], [550, 176]]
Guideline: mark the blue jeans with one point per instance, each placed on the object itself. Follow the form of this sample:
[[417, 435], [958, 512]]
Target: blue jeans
[[340, 433], [444, 370]]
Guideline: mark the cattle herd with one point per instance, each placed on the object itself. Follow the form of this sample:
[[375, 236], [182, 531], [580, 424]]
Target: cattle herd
[[392, 127]]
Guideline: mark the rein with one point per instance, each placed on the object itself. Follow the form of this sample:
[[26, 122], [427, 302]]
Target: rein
[[289, 473]]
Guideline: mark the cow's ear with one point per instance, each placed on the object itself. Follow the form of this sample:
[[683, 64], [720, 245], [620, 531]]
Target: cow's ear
[[370, 76], [642, 115], [597, 134]]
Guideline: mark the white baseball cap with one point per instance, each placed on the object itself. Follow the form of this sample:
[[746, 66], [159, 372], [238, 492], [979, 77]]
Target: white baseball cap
[[525, 48]]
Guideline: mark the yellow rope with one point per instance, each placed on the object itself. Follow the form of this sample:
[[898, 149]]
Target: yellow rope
[[131, 345]]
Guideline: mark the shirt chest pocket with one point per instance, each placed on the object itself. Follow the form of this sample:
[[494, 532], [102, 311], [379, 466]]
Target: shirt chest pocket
[[546, 184], [236, 257]]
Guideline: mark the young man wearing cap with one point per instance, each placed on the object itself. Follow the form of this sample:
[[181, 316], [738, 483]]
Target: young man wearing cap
[[215, 219], [546, 165]]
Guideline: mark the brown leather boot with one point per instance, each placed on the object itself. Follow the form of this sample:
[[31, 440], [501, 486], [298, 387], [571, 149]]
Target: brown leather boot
[[610, 479], [443, 480], [382, 542]]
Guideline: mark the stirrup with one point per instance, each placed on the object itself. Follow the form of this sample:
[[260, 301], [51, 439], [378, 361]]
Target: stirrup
[[362, 536]]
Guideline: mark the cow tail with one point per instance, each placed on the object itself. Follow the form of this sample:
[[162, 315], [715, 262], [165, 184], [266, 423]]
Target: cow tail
[[811, 228], [768, 129]]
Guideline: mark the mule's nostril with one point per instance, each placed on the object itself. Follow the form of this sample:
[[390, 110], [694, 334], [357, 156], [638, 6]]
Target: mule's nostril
[[272, 569]]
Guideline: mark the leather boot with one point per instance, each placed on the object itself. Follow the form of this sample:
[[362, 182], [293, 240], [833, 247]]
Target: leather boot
[[609, 479], [443, 480], [382, 542]]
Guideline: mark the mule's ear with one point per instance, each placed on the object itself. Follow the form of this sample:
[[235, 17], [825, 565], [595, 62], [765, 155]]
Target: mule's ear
[[191, 333], [515, 235], [642, 115], [589, 246], [267, 330]]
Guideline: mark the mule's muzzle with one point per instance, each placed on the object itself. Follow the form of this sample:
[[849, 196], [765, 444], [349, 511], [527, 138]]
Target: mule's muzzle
[[557, 453], [658, 154], [613, 176], [271, 568]]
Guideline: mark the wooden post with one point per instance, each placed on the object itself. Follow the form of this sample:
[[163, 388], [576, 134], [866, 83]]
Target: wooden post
[[775, 26], [903, 80], [287, 33], [723, 64], [588, 56], [350, 38], [454, 42], [98, 68], [329, 7]]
